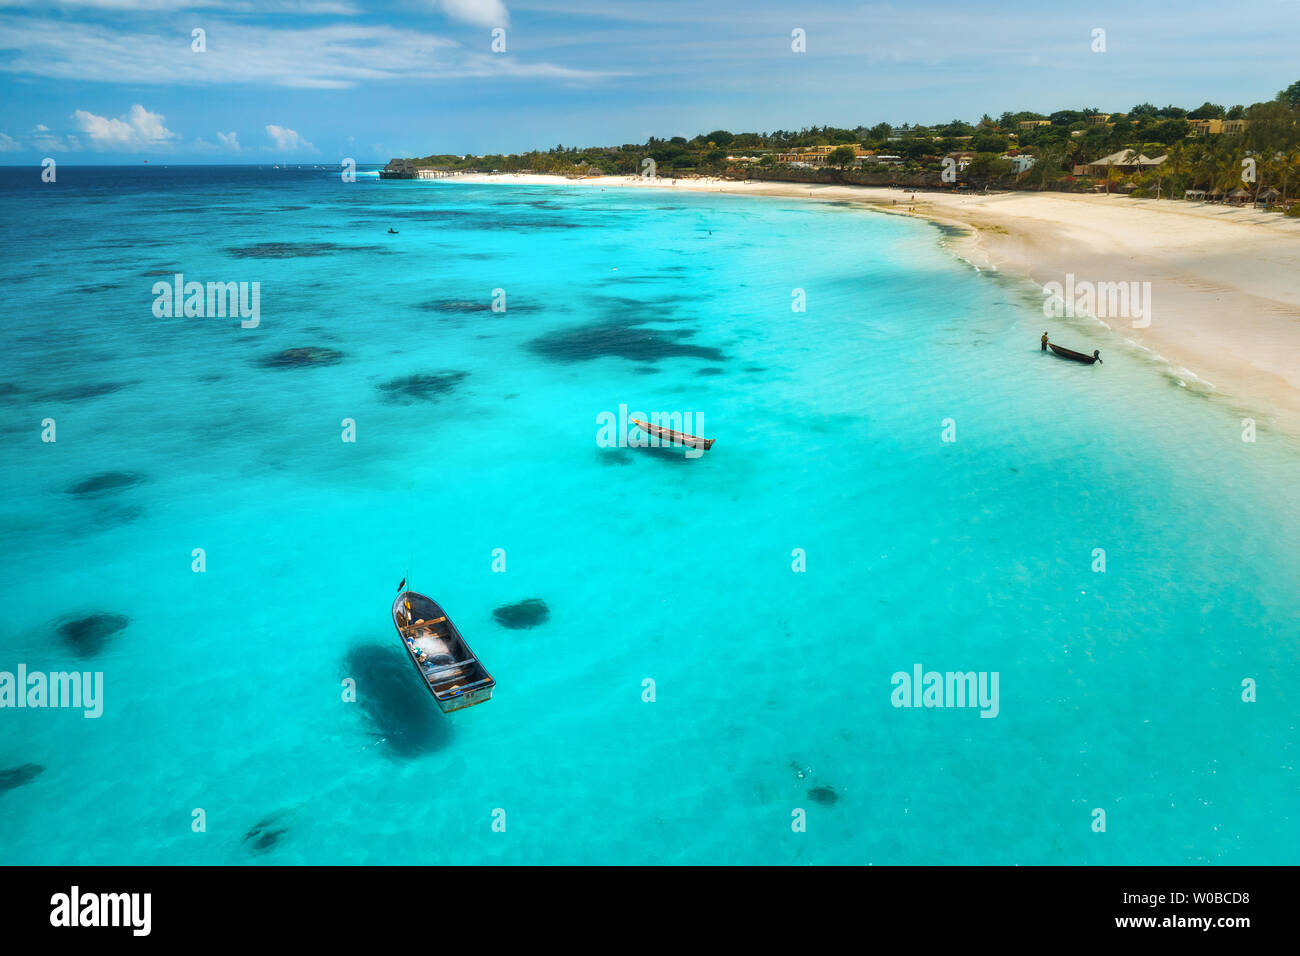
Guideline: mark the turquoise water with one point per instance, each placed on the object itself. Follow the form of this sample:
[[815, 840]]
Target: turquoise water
[[224, 691]]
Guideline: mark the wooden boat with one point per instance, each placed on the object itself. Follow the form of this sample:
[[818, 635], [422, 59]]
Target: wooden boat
[[674, 437], [454, 676], [1077, 356]]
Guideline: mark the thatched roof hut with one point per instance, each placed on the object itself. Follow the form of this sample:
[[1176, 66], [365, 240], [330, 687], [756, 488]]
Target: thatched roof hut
[[1267, 197]]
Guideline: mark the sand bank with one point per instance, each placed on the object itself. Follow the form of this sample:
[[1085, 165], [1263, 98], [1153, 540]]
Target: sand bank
[[1223, 302]]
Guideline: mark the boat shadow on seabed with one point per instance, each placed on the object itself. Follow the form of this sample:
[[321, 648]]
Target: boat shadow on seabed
[[666, 453], [396, 710]]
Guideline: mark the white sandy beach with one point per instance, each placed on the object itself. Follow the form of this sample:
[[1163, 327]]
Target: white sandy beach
[[1225, 282]]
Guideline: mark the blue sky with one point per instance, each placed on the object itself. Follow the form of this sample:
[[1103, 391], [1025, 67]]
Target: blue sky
[[105, 81]]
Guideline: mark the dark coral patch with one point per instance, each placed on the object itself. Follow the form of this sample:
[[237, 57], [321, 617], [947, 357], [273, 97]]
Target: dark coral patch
[[628, 311], [530, 223], [647, 370], [303, 357], [11, 778], [713, 370], [429, 214], [88, 636], [464, 306], [294, 250], [108, 515], [612, 339], [824, 795], [105, 483], [263, 836], [76, 393], [455, 305], [421, 388], [524, 614]]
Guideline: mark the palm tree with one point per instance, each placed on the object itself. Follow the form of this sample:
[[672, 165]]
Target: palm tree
[[1048, 165], [1171, 167], [1290, 161], [1226, 170], [1201, 167]]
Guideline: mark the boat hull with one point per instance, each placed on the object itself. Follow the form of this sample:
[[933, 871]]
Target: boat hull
[[459, 682], [466, 700], [1071, 354], [674, 437]]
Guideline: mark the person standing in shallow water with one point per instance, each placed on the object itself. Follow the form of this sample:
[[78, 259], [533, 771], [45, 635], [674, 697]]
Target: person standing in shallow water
[[1044, 341]]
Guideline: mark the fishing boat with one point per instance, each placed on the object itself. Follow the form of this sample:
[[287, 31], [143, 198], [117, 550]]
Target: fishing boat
[[674, 437], [1077, 356], [454, 676]]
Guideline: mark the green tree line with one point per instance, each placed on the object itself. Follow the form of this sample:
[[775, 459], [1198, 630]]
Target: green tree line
[[1058, 142]]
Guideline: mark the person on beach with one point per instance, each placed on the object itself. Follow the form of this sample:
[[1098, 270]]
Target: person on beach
[[1044, 341]]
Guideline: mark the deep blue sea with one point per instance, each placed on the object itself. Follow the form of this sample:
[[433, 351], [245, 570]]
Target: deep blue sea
[[476, 445]]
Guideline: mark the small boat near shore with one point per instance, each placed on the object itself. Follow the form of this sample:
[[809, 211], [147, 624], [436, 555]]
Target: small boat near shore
[[674, 437], [1077, 356], [443, 659]]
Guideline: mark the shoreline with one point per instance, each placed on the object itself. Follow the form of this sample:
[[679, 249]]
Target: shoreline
[[1212, 279]]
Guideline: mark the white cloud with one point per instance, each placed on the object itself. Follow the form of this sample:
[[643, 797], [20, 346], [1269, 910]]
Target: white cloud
[[46, 140], [481, 13], [136, 130], [337, 56], [8, 144], [288, 140], [229, 140], [341, 7]]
